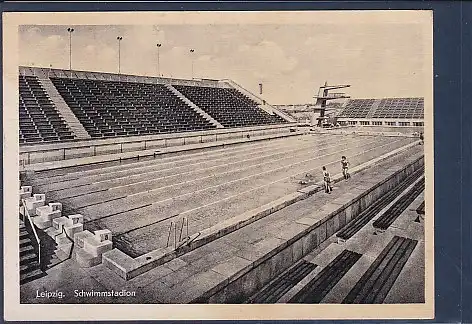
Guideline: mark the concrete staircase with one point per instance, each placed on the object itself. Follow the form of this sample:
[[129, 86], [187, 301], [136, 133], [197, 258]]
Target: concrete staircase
[[62, 245], [374, 107], [271, 110], [29, 266], [194, 106], [63, 109]]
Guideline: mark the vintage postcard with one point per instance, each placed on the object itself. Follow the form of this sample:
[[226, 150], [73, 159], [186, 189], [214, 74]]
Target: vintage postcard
[[218, 165]]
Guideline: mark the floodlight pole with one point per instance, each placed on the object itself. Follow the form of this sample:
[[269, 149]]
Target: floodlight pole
[[158, 63], [191, 56], [70, 31], [119, 38]]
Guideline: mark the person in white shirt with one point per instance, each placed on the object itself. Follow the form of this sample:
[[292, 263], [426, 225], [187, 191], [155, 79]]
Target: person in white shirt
[[327, 181]]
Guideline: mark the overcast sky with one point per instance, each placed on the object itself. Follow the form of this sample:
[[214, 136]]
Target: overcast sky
[[379, 59]]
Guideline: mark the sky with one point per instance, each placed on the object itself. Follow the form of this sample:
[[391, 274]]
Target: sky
[[378, 59]]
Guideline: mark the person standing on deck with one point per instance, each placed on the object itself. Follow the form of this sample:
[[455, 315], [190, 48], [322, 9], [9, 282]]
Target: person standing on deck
[[421, 138], [345, 167], [327, 181]]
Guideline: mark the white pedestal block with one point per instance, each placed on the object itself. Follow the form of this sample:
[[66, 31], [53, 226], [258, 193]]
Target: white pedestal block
[[71, 230], [38, 200], [76, 219], [24, 195], [103, 235], [26, 192], [53, 210], [96, 248], [59, 223], [80, 237], [86, 260], [42, 223]]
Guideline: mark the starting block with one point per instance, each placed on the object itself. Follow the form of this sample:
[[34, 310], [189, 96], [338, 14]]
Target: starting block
[[59, 223], [71, 225], [46, 215], [25, 192], [99, 243], [49, 212], [103, 235], [32, 203], [53, 210], [74, 225], [79, 238], [92, 246]]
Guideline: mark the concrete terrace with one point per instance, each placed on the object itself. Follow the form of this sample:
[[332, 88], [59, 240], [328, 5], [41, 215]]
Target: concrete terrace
[[369, 243], [207, 187], [245, 177]]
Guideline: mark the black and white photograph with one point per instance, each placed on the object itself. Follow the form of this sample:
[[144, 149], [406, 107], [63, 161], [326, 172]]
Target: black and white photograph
[[195, 159]]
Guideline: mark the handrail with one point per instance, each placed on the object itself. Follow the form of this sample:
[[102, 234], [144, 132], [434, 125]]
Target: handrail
[[261, 101], [34, 230], [232, 82], [173, 228], [72, 241]]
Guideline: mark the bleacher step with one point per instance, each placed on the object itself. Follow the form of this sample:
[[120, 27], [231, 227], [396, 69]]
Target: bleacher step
[[282, 284], [374, 285], [53, 261], [29, 276], [197, 109], [25, 258], [85, 259], [61, 254], [390, 216], [64, 110], [28, 267], [25, 241], [23, 234], [25, 249], [326, 279], [357, 223]]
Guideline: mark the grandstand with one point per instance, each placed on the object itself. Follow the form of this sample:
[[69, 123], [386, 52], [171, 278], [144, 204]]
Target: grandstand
[[357, 108], [110, 108], [383, 112], [109, 105], [230, 107], [39, 120], [196, 191]]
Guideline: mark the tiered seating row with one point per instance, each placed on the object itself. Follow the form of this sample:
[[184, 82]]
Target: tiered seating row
[[271, 293], [388, 108], [377, 281], [363, 218], [228, 106], [39, 119], [357, 108], [113, 108], [320, 286], [387, 218], [400, 108]]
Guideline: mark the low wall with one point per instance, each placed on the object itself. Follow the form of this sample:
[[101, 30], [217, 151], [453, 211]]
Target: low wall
[[39, 153], [393, 129], [260, 272]]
